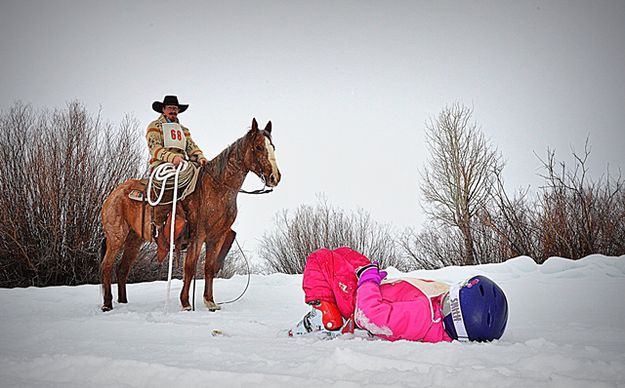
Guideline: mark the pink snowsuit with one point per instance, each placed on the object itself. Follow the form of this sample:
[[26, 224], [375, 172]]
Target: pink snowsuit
[[330, 276], [393, 311]]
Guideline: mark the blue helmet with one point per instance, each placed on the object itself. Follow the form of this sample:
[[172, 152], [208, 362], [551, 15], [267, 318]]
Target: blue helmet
[[479, 310]]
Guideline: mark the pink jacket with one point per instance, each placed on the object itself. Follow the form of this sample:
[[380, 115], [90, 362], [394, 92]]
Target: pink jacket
[[395, 310], [330, 276], [400, 310]]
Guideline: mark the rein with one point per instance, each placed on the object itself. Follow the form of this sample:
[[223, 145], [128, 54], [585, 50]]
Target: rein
[[264, 190]]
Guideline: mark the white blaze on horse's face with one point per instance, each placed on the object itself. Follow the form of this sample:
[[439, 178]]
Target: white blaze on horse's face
[[274, 178]]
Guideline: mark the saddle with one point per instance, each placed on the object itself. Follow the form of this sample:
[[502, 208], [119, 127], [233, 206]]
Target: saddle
[[161, 225], [186, 186]]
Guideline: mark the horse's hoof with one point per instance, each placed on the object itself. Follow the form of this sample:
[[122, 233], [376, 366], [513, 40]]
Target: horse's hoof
[[106, 308], [187, 308], [211, 306]]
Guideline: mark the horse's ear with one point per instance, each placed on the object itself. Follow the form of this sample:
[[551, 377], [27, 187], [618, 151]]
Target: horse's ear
[[268, 127], [254, 124]]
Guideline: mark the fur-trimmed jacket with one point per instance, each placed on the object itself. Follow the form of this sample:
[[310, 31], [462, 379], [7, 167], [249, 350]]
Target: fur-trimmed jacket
[[159, 153]]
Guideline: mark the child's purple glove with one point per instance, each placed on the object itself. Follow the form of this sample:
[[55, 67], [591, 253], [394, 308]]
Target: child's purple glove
[[370, 273]]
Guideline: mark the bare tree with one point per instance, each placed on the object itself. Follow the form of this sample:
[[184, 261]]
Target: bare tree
[[56, 169], [460, 173], [323, 226]]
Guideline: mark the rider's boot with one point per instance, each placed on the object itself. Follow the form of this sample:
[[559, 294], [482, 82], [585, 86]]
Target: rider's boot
[[164, 232]]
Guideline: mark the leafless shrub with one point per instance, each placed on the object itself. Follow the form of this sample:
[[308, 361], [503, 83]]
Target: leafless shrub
[[236, 263], [57, 167], [434, 247], [324, 226], [440, 246], [147, 268], [580, 216], [571, 215], [507, 226]]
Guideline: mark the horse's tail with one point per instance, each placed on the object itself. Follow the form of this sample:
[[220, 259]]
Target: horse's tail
[[102, 248]]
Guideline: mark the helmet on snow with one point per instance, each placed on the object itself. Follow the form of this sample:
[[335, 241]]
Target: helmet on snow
[[478, 310]]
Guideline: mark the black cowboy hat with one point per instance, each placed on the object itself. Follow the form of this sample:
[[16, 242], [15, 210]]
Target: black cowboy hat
[[169, 100]]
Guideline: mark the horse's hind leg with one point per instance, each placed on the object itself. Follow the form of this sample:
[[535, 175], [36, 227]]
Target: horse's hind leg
[[131, 251], [113, 246]]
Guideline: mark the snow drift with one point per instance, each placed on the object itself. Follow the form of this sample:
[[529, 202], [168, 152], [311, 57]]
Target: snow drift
[[566, 328]]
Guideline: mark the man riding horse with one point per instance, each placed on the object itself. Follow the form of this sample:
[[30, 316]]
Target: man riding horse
[[209, 202], [169, 141], [176, 145]]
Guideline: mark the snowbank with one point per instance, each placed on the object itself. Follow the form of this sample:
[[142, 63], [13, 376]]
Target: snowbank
[[566, 328]]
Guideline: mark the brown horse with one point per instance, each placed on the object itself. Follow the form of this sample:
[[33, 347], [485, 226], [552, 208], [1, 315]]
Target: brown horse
[[210, 211]]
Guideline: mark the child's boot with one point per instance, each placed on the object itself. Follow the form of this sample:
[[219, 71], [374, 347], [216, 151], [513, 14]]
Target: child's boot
[[323, 317]]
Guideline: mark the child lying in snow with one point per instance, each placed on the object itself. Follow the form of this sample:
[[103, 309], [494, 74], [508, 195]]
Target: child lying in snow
[[344, 287]]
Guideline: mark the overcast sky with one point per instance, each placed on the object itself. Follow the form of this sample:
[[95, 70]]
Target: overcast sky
[[348, 85]]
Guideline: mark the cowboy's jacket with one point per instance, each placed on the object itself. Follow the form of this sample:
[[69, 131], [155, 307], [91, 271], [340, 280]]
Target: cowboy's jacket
[[159, 153]]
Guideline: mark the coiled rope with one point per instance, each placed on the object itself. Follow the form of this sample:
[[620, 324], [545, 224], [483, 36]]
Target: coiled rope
[[161, 174]]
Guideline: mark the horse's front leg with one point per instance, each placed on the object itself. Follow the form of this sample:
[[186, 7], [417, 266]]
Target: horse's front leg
[[190, 264], [210, 268]]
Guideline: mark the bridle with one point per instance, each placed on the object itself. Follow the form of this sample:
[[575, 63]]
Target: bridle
[[266, 189]]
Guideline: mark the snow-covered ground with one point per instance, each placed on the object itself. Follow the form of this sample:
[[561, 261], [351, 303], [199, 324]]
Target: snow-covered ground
[[566, 329]]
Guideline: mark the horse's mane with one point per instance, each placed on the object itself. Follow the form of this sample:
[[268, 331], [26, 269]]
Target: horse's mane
[[217, 166]]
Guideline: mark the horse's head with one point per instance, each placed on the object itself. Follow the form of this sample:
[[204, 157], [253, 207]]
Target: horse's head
[[259, 156]]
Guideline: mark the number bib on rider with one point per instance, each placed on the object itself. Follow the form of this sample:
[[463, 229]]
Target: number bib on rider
[[173, 136]]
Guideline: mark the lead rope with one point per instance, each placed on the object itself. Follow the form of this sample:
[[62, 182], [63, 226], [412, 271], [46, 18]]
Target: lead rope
[[161, 174], [247, 266], [247, 284]]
